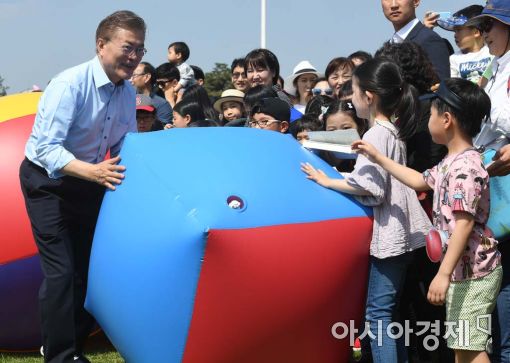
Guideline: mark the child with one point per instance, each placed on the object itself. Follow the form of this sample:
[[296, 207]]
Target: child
[[400, 224], [230, 105], [474, 57], [318, 106], [186, 112], [178, 54], [146, 114], [470, 274], [270, 114], [299, 129], [341, 115]]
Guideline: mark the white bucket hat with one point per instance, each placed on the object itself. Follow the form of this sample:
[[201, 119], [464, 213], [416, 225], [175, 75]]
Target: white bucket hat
[[303, 67]]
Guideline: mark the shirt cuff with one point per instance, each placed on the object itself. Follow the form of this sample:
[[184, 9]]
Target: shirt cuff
[[64, 158]]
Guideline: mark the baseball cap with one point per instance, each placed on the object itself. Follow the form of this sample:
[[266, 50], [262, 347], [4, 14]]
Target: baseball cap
[[144, 102], [460, 18]]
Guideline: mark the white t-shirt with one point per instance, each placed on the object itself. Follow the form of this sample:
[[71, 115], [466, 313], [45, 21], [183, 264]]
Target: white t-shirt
[[470, 66], [498, 89]]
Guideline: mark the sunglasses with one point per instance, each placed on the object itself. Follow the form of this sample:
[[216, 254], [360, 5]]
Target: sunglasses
[[486, 25], [319, 91], [162, 84]]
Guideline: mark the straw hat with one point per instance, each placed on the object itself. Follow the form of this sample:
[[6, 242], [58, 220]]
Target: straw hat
[[228, 95]]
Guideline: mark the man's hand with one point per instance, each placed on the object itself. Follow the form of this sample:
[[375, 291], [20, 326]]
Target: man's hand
[[501, 162], [108, 173]]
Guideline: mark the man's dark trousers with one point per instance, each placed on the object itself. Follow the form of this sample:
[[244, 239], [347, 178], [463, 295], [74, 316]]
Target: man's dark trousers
[[63, 213]]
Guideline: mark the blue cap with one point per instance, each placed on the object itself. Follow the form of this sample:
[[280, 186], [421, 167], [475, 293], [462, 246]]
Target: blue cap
[[446, 95], [460, 18], [497, 9]]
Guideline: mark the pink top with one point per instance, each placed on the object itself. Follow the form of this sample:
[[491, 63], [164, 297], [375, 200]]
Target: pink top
[[461, 183]]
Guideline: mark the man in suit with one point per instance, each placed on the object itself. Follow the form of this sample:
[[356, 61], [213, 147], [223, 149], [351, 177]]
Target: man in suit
[[402, 14]]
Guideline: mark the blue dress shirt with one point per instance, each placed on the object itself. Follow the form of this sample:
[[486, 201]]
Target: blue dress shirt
[[81, 115]]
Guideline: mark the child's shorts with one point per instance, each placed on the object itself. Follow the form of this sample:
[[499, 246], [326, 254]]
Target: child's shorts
[[469, 305]]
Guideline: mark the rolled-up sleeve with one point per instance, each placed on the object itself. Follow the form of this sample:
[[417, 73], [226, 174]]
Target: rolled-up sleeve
[[369, 176], [56, 114]]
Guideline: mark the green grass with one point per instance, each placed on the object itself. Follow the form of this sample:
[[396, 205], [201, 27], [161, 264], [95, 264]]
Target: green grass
[[98, 350]]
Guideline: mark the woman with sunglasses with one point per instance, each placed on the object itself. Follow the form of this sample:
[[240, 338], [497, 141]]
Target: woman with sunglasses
[[494, 24], [299, 85], [322, 88]]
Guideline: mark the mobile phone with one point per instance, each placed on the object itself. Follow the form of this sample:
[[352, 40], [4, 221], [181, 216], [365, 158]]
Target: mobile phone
[[444, 14]]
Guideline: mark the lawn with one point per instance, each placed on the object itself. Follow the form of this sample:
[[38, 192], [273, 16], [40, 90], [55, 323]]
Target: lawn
[[98, 350]]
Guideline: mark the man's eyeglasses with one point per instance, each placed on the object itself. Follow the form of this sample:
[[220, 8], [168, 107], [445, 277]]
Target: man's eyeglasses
[[128, 50], [134, 75], [238, 75], [319, 91], [162, 83], [486, 25], [262, 123]]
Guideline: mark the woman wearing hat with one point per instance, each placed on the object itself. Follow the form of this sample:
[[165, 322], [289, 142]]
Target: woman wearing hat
[[300, 83], [494, 23]]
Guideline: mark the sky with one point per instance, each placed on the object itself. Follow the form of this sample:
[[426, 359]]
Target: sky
[[40, 38]]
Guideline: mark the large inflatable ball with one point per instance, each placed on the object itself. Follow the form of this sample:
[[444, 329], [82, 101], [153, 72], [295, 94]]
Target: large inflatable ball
[[20, 272], [216, 248]]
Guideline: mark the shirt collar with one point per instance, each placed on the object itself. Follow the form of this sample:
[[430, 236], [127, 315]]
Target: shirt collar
[[100, 77], [403, 33], [503, 60]]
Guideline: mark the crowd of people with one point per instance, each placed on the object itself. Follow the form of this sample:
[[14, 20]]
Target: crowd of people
[[416, 104]]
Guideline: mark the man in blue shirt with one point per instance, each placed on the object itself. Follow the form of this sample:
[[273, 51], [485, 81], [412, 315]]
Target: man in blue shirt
[[84, 113]]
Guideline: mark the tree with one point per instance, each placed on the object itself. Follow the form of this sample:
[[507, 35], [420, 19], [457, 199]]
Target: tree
[[218, 80], [3, 89]]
